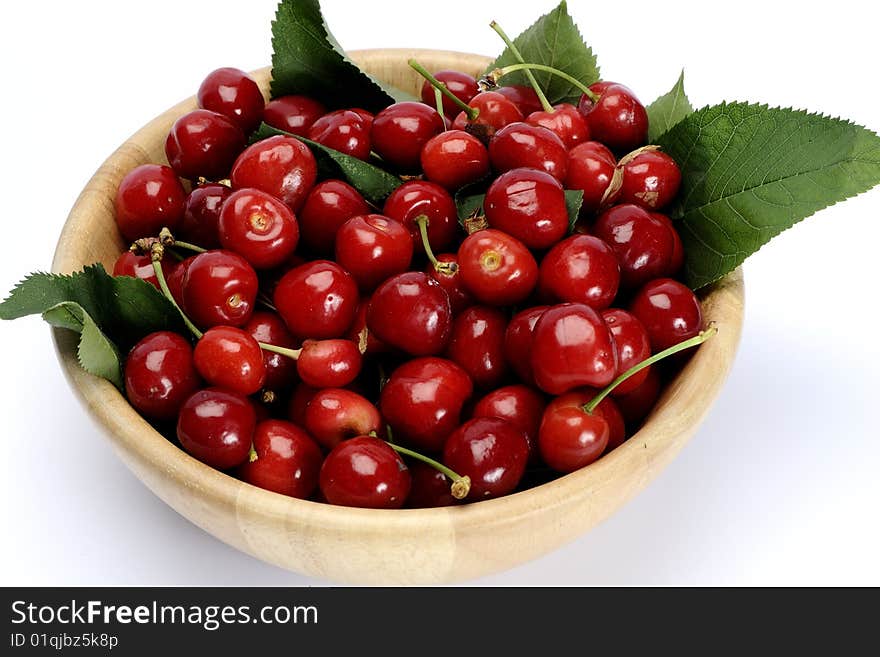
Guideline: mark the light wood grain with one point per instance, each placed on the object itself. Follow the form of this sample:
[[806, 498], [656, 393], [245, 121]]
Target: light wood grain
[[366, 546]]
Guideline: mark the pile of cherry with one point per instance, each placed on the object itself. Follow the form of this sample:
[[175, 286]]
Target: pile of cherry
[[382, 357]]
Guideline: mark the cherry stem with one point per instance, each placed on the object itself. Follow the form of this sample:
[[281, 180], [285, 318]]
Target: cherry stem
[[167, 239], [471, 112], [589, 93], [531, 77], [461, 486], [447, 268], [284, 351], [700, 338], [438, 101], [157, 252]]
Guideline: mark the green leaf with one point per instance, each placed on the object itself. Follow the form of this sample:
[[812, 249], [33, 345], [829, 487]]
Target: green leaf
[[468, 202], [574, 199], [306, 59], [374, 183], [96, 354], [668, 110], [553, 40], [749, 172]]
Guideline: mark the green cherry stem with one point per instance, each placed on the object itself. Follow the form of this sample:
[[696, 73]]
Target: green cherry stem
[[589, 93], [447, 268], [438, 100], [700, 338], [157, 251], [168, 239], [284, 351], [471, 112], [531, 77], [461, 486]]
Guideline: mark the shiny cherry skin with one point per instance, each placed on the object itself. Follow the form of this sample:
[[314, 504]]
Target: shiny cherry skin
[[344, 131], [430, 488], [650, 179], [219, 288], [294, 114], [337, 414], [463, 86], [496, 111], [281, 166], [421, 197], [520, 405], [450, 280], [581, 269], [217, 427], [203, 144], [175, 276], [298, 403], [365, 472], [591, 170], [373, 248], [160, 375], [632, 344], [572, 347], [523, 96], [518, 342], [565, 122], [523, 145], [329, 363], [317, 300], [233, 93], [358, 330], [635, 406], [496, 268], [676, 260], [329, 205], [607, 410], [454, 159], [423, 399], [230, 358], [258, 227], [411, 312], [288, 460], [401, 130], [617, 119], [269, 328], [149, 198], [669, 311], [569, 437], [140, 266], [492, 452], [644, 245], [529, 205], [201, 215], [477, 345]]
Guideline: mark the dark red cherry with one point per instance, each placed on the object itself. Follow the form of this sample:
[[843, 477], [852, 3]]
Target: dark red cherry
[[477, 345], [492, 452], [230, 358], [269, 328], [523, 145], [430, 488], [281, 166], [520, 405], [495, 112], [336, 414], [160, 375], [463, 86], [635, 406], [644, 245], [358, 332], [529, 205], [676, 260], [650, 179], [365, 472], [220, 288], [401, 130], [203, 144], [344, 131], [298, 403], [411, 312], [565, 122], [373, 248], [329, 363], [329, 205], [288, 460], [581, 269], [454, 159], [523, 96], [669, 311], [422, 401], [175, 276], [617, 119], [496, 268], [421, 197], [294, 114], [140, 266], [258, 227], [632, 344], [149, 198], [450, 280], [569, 437], [572, 347], [317, 300], [233, 93], [217, 427], [518, 342], [201, 216], [591, 170]]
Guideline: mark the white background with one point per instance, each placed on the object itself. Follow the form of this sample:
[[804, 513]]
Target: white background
[[780, 485]]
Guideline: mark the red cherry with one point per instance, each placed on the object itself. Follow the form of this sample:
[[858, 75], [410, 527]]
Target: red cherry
[[463, 86], [217, 427], [591, 169], [139, 266], [518, 342], [160, 375], [650, 179], [281, 166], [430, 488], [329, 363], [298, 403], [269, 328], [365, 472], [258, 227], [335, 414], [477, 345], [344, 131], [565, 122], [373, 248], [518, 145], [495, 112], [317, 300], [617, 119], [454, 159], [422, 401], [607, 410], [572, 347], [676, 260], [420, 197], [520, 405], [632, 344], [669, 311], [450, 280], [497, 268], [288, 460], [492, 452], [401, 130], [220, 287], [569, 437], [201, 216], [529, 205], [203, 144], [581, 269], [230, 358], [523, 96], [635, 406], [358, 330], [329, 205], [294, 114], [149, 198], [175, 276], [232, 93]]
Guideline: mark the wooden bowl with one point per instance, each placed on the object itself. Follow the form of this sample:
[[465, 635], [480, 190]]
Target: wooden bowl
[[416, 546]]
